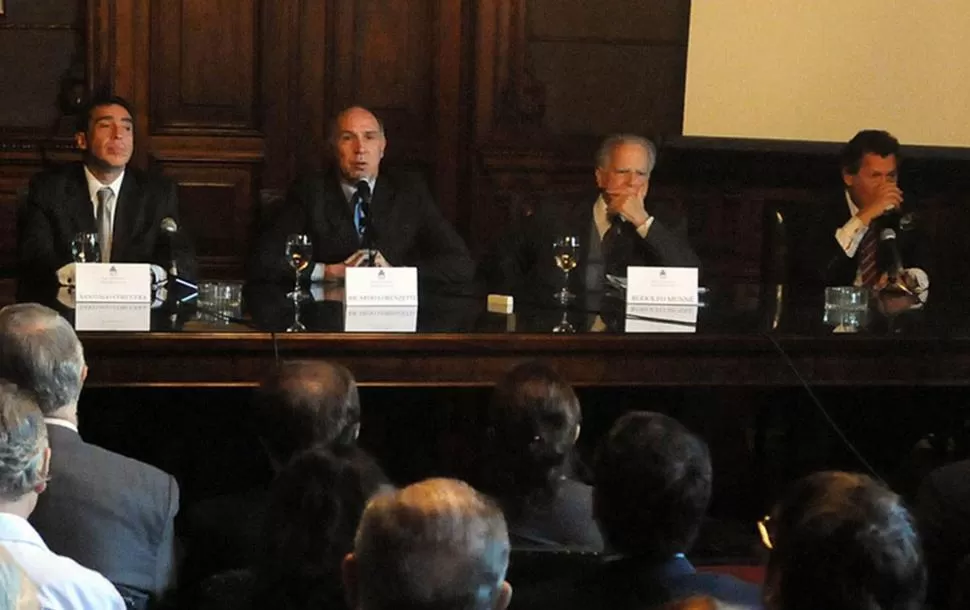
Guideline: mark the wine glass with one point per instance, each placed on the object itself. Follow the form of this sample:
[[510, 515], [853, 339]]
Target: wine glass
[[299, 252], [297, 326], [85, 248], [565, 250], [564, 326]]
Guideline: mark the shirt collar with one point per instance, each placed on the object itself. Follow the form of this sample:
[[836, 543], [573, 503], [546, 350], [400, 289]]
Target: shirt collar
[[53, 421], [600, 217], [853, 208], [15, 527], [349, 189], [95, 185]]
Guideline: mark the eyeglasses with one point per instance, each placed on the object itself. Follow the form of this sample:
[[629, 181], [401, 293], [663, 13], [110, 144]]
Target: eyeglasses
[[763, 524]]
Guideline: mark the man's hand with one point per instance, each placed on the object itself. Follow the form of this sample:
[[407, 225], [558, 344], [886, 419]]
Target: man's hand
[[334, 272], [628, 203], [65, 275], [360, 258], [888, 198]]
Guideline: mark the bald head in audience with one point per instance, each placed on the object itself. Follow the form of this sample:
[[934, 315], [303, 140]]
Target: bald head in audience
[[435, 544], [845, 542], [40, 352]]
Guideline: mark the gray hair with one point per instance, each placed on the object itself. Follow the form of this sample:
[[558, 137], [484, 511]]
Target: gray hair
[[23, 438], [39, 351], [437, 543], [606, 149]]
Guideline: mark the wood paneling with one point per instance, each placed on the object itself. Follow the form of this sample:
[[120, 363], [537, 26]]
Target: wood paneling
[[204, 65]]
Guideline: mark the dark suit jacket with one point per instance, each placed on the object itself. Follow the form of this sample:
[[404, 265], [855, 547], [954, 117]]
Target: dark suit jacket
[[943, 514], [526, 257], [58, 206], [406, 226], [818, 259], [632, 583], [109, 513], [567, 521]]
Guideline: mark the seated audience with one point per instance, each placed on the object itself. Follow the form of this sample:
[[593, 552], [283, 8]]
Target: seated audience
[[943, 515], [437, 544], [25, 460], [533, 422], [314, 507], [842, 541], [104, 510], [302, 404], [652, 487]]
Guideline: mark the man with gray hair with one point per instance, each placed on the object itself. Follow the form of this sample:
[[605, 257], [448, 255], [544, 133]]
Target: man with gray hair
[[24, 466], [616, 227], [435, 544], [104, 510]]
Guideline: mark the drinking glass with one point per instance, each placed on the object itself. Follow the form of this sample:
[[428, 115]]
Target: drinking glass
[[297, 326], [85, 248], [564, 326], [565, 250], [299, 253]]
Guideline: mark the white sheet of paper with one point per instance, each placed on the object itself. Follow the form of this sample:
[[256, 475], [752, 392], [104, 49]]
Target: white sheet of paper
[[662, 286], [381, 318], [661, 318], [113, 316], [383, 286], [113, 283]]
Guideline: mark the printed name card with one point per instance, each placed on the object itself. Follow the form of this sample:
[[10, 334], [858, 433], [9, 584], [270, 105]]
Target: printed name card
[[380, 319], [662, 286], [661, 318], [113, 316], [382, 286], [113, 283]]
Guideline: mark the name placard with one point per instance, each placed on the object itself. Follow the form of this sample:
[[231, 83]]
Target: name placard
[[382, 286], [113, 316], [661, 318], [381, 318], [113, 283], [662, 286]]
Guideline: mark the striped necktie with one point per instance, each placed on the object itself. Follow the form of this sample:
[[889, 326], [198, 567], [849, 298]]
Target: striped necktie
[[106, 198], [868, 249]]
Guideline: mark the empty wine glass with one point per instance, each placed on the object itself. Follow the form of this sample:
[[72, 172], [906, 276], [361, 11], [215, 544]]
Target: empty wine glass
[[85, 248], [564, 326], [565, 250], [297, 326], [299, 253]]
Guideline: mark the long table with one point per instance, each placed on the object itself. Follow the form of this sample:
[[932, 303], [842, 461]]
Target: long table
[[741, 339]]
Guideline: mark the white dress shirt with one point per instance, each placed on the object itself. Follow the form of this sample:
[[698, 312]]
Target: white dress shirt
[[62, 583], [95, 185]]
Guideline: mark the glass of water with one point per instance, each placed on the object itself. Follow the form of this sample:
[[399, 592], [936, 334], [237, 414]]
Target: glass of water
[[85, 248]]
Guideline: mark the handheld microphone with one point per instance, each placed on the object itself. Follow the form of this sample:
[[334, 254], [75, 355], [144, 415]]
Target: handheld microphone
[[367, 238]]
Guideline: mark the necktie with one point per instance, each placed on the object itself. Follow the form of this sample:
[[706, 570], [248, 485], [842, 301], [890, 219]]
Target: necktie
[[618, 247], [868, 249], [360, 220], [106, 199]]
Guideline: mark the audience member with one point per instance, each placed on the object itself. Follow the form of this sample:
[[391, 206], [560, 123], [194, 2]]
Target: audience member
[[302, 404], [842, 541], [437, 544], [25, 460], [106, 511], [652, 486], [944, 524], [533, 422]]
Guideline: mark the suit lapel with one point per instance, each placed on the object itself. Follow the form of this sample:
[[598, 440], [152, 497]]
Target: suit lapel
[[80, 207], [128, 207], [380, 208]]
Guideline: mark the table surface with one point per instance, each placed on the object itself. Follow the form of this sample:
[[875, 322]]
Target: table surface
[[756, 336]]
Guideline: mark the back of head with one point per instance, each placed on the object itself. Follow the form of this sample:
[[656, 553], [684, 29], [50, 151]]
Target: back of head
[[652, 485], [23, 439], [437, 544], [307, 403], [533, 421], [40, 352], [868, 141], [315, 505], [842, 541]]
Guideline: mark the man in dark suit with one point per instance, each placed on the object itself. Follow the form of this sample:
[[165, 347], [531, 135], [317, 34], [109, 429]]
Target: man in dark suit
[[846, 241], [107, 512], [652, 487], [944, 521], [616, 227], [103, 195], [400, 225]]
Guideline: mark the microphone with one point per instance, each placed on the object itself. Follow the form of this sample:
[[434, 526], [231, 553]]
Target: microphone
[[888, 237], [367, 238], [170, 229]]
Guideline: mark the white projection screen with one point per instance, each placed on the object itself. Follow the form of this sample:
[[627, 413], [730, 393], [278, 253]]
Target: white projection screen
[[821, 70]]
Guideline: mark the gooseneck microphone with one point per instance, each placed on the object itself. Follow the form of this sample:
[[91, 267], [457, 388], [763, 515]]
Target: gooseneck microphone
[[170, 230], [888, 237], [366, 232]]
